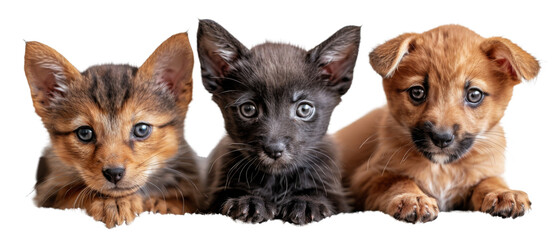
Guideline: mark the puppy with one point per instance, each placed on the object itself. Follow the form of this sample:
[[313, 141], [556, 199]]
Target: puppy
[[276, 161], [117, 143], [437, 145]]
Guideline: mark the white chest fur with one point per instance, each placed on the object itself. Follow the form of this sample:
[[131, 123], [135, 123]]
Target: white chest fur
[[444, 184]]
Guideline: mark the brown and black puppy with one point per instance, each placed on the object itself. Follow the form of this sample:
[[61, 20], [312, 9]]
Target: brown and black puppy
[[438, 144], [117, 142]]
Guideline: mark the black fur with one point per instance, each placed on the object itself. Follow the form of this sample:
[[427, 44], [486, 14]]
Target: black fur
[[276, 164]]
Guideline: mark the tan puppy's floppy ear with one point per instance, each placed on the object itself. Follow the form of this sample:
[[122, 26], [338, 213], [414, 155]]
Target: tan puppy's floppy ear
[[510, 58], [48, 74], [171, 65], [385, 58]]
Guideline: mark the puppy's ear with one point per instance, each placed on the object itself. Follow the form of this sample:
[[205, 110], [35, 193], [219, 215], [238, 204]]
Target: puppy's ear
[[48, 74], [336, 58], [217, 50], [510, 58], [385, 58], [171, 66]]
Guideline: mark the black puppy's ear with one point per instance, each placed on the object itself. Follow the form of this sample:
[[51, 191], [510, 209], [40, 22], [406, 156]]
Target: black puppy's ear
[[217, 50], [336, 58]]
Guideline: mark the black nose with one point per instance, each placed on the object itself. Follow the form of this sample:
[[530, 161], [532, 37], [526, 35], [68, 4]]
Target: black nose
[[113, 174], [274, 150], [442, 139]]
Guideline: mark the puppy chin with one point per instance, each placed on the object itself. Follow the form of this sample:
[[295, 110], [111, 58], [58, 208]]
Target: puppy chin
[[120, 192], [442, 157], [439, 158]]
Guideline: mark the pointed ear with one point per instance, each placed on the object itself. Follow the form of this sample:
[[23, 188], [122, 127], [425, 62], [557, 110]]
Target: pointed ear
[[336, 57], [385, 58], [510, 58], [49, 74], [171, 65], [217, 50]]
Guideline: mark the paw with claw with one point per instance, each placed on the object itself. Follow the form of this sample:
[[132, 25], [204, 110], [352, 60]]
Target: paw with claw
[[506, 204], [165, 206], [301, 211], [413, 208], [115, 211], [253, 209]]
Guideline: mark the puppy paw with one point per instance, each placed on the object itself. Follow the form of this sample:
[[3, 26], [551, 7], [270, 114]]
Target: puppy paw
[[164, 206], [115, 211], [303, 211], [251, 209], [413, 208], [506, 204]]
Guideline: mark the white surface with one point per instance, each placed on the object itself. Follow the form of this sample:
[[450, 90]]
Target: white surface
[[113, 32]]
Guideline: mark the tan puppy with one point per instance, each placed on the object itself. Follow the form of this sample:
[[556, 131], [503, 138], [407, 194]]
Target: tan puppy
[[438, 144]]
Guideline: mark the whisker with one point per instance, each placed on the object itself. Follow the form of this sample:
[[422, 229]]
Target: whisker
[[223, 155], [185, 177], [48, 180], [50, 191], [233, 168]]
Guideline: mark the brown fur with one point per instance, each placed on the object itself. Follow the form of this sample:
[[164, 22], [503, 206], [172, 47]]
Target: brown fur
[[161, 174], [383, 168]]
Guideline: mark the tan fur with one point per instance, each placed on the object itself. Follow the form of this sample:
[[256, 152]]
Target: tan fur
[[382, 167], [179, 66], [70, 171]]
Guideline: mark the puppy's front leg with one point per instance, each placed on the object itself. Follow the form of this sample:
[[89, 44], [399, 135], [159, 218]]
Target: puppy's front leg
[[110, 210], [304, 208], [114, 210], [178, 198], [395, 195], [243, 205], [249, 208], [492, 196], [169, 204]]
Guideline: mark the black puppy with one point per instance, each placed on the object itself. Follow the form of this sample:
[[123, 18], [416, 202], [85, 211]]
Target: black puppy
[[276, 99]]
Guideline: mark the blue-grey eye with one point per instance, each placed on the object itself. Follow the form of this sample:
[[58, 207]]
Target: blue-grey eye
[[417, 93], [305, 110], [85, 134], [141, 131], [248, 110], [474, 96]]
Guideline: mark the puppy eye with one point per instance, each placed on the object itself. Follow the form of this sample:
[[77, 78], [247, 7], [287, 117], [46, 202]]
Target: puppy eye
[[248, 110], [141, 131], [474, 96], [417, 94], [85, 134], [305, 110]]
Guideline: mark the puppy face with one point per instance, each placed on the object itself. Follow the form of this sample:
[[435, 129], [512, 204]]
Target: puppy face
[[276, 98], [449, 86], [114, 124]]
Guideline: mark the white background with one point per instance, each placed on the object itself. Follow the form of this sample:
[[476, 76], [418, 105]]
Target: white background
[[95, 32]]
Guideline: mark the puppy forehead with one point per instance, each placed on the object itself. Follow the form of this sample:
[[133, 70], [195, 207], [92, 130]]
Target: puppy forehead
[[451, 55], [449, 38], [278, 64], [110, 87], [111, 94]]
